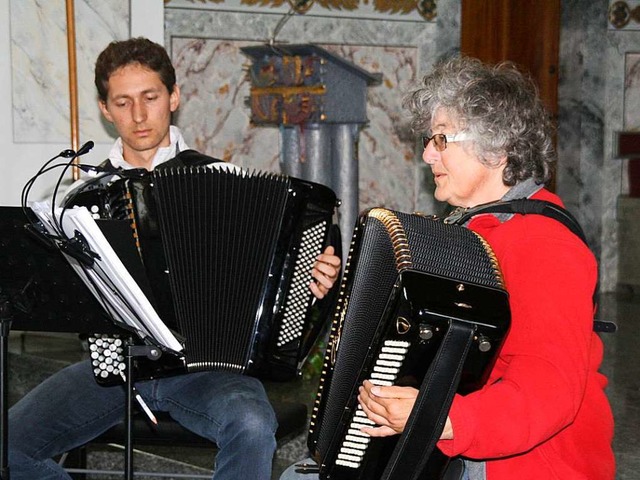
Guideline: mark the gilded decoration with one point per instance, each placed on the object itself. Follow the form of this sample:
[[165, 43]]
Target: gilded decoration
[[426, 8], [620, 14], [287, 90]]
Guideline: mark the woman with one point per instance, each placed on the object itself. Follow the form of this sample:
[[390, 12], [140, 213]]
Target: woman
[[543, 413]]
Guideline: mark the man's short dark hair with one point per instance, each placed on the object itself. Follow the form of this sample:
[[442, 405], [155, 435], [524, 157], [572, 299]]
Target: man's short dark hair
[[135, 50]]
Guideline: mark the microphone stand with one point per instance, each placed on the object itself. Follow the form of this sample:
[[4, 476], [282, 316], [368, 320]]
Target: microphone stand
[[5, 326]]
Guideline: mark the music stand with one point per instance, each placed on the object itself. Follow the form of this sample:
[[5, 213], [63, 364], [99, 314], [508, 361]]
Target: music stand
[[45, 292], [39, 291]]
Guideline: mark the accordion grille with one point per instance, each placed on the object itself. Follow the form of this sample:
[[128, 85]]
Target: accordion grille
[[218, 282]]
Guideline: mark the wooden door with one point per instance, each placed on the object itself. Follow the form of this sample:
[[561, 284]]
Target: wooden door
[[524, 31]]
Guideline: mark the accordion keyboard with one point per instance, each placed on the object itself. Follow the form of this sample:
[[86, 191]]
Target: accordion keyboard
[[384, 373], [297, 302]]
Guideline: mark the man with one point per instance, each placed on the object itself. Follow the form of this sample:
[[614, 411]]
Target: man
[[138, 93], [543, 413]]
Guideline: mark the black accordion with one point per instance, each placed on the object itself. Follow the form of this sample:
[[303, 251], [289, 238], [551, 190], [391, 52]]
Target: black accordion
[[422, 303], [227, 257]]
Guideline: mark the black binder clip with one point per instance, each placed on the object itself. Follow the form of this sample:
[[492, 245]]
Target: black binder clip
[[78, 248]]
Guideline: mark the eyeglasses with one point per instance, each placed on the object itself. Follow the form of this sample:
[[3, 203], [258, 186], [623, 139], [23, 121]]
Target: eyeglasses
[[440, 140]]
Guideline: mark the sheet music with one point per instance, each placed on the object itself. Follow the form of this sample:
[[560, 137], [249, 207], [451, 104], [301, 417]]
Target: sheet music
[[108, 279]]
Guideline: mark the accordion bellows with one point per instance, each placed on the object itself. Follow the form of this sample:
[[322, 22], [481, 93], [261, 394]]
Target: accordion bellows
[[228, 256], [407, 280], [223, 235]]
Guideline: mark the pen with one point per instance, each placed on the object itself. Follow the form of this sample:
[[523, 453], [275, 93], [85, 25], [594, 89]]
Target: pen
[[144, 406], [141, 402]]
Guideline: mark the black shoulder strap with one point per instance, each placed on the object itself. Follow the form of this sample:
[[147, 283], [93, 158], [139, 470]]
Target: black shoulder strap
[[189, 158], [107, 166], [185, 158], [525, 206], [540, 207]]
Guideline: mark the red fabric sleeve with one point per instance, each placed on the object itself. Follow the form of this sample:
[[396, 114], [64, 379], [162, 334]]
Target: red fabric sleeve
[[538, 383]]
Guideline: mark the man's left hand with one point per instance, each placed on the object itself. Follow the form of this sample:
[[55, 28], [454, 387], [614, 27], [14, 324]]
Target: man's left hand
[[325, 272]]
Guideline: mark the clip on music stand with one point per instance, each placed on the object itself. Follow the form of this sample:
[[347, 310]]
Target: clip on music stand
[[39, 291]]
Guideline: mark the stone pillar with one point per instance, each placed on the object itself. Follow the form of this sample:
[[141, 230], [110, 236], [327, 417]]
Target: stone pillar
[[344, 154], [290, 161], [317, 147]]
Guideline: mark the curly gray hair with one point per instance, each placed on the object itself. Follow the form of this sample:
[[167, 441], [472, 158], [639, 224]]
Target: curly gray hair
[[496, 104]]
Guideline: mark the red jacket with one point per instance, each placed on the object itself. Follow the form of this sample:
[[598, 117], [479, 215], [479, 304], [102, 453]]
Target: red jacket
[[543, 413]]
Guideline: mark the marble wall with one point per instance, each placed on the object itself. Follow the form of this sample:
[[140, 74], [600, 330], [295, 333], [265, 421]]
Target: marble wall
[[205, 45], [631, 118], [597, 91], [581, 110], [39, 66]]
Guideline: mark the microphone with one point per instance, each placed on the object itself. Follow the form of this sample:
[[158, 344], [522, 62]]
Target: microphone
[[81, 151], [86, 148]]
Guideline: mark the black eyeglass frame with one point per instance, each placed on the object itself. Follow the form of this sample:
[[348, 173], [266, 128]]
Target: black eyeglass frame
[[440, 140]]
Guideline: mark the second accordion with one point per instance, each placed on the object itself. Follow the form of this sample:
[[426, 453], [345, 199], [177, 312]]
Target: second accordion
[[227, 257], [422, 304]]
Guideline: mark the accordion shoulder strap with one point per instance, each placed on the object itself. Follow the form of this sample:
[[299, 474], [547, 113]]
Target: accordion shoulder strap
[[540, 207], [185, 158], [411, 459], [190, 158], [525, 206]]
